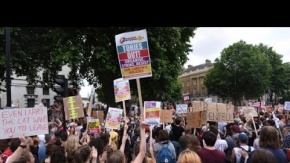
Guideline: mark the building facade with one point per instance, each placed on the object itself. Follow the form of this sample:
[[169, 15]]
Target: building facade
[[192, 81], [23, 95]]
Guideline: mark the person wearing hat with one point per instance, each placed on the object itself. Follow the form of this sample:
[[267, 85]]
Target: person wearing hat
[[236, 153]]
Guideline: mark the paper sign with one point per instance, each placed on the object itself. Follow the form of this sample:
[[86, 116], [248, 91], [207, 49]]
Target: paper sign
[[133, 54], [122, 90], [94, 126], [73, 107], [29, 121], [114, 118], [287, 105], [152, 110], [181, 108]]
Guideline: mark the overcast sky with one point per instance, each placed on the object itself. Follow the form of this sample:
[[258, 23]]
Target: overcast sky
[[208, 42]]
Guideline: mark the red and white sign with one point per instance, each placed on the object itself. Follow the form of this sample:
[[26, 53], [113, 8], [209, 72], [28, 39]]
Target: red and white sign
[[27, 121], [186, 98]]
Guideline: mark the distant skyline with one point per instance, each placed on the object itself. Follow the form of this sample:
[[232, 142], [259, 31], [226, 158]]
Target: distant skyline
[[208, 43]]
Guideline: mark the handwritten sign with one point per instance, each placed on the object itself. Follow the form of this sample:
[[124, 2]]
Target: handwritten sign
[[219, 112], [196, 118], [73, 107], [30, 121], [181, 108], [99, 115], [122, 90], [249, 111], [166, 116], [287, 105], [133, 54]]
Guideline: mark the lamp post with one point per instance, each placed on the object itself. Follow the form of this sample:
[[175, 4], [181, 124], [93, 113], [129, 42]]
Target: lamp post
[[8, 68]]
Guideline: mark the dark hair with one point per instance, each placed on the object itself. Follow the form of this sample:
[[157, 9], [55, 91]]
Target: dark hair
[[177, 121], [105, 137], [98, 143], [209, 137], [14, 143], [82, 154], [58, 154], [214, 129], [116, 157], [155, 132], [263, 155], [48, 149], [63, 135], [163, 135], [269, 137], [3, 145]]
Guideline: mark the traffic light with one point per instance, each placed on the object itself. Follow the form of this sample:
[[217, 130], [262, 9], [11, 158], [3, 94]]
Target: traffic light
[[62, 89], [62, 92]]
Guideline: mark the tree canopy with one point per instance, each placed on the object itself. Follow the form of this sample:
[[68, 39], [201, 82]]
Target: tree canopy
[[242, 71], [91, 54]]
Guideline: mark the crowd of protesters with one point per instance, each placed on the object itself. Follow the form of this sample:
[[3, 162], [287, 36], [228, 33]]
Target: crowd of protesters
[[258, 139]]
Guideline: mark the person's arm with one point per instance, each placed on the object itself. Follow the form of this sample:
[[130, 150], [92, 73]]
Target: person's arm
[[152, 153], [233, 156], [94, 154], [16, 154], [142, 150], [125, 136]]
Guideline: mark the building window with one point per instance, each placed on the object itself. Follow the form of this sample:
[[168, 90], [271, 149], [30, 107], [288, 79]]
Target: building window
[[194, 92], [30, 102], [47, 102], [187, 83], [45, 77], [30, 90], [202, 91], [194, 81], [45, 91], [201, 80]]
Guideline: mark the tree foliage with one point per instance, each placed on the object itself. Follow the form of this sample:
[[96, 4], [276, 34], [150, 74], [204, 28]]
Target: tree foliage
[[91, 54], [241, 71]]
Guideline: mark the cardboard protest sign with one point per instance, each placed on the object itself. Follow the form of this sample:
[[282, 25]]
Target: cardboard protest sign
[[181, 108], [99, 115], [166, 116], [197, 105], [249, 111], [30, 121], [73, 107], [219, 112], [196, 118], [133, 54]]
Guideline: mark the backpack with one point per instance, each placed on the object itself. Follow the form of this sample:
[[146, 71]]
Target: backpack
[[165, 155], [250, 152]]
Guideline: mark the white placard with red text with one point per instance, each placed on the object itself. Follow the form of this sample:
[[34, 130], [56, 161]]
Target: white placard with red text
[[29, 121]]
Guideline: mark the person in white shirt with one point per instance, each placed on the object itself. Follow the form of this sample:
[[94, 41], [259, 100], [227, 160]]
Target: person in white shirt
[[236, 153], [220, 144], [43, 103]]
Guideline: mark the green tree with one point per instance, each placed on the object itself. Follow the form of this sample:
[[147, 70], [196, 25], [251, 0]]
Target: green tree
[[241, 71], [279, 81], [91, 54]]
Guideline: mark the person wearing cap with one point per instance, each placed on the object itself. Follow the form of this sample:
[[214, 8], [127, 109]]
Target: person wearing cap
[[236, 153]]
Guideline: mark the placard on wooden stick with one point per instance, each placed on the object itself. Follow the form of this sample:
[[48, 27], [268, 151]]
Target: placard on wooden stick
[[73, 107]]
